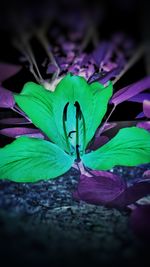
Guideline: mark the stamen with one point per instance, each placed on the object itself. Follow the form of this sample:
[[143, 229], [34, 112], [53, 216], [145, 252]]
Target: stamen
[[78, 116], [70, 133], [64, 126]]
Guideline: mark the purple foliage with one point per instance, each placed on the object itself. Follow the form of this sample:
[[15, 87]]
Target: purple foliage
[[130, 91], [17, 121], [6, 98], [104, 188], [19, 131]]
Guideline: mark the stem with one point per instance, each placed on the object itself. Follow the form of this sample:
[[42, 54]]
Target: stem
[[82, 169], [17, 110], [103, 126], [64, 127], [44, 42], [131, 62], [31, 55], [84, 132], [77, 130], [25, 48]]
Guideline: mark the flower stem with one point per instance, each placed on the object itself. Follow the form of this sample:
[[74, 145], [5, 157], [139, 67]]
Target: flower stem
[[64, 127], [103, 126], [138, 54], [77, 130]]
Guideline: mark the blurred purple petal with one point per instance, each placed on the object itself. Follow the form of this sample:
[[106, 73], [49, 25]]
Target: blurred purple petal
[[130, 91], [146, 108], [146, 174], [145, 125], [15, 121], [51, 69], [100, 52], [140, 222], [98, 142], [8, 70], [140, 98], [140, 115], [19, 131], [6, 98], [110, 75], [101, 188]]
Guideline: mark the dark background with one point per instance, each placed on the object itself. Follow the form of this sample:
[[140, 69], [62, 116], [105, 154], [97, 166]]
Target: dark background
[[130, 17]]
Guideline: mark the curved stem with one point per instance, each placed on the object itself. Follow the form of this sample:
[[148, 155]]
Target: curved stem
[[82, 169], [131, 62], [103, 126], [77, 130], [64, 127]]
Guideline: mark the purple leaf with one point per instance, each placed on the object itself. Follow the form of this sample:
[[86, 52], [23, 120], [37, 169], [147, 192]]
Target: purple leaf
[[140, 222], [145, 125], [140, 98], [8, 70], [100, 52], [20, 131], [15, 121], [104, 188], [146, 108], [130, 91], [133, 193], [98, 142], [101, 188], [6, 98], [110, 75], [140, 115], [146, 174]]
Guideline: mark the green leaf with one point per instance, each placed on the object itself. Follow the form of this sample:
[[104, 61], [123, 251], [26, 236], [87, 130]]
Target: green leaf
[[31, 160], [46, 108], [92, 98], [130, 147], [36, 102]]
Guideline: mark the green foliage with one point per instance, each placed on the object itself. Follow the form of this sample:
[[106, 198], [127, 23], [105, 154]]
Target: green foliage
[[30, 160], [69, 117], [130, 147]]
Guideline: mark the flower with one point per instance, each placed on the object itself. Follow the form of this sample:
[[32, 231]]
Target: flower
[[69, 117]]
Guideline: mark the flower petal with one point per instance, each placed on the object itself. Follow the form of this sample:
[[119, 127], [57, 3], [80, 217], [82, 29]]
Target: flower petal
[[93, 100], [101, 188], [130, 91], [130, 147], [6, 98], [31, 160], [36, 102]]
